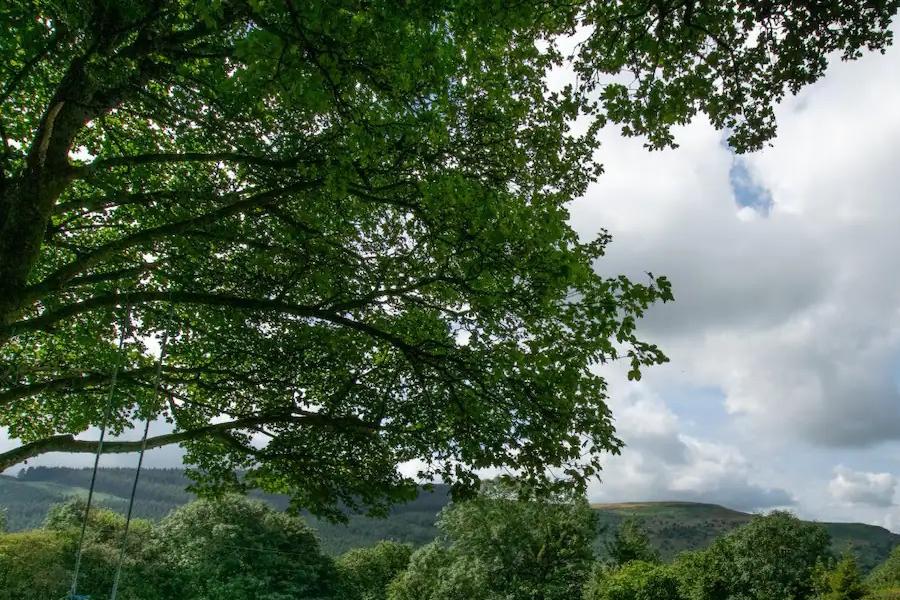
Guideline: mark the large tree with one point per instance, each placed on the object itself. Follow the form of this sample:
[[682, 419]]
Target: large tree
[[351, 216]]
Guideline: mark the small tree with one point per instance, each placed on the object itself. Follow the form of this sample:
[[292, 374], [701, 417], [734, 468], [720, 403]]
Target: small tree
[[365, 573], [887, 574], [772, 557], [629, 543], [240, 548], [439, 573], [843, 581], [500, 545], [636, 580]]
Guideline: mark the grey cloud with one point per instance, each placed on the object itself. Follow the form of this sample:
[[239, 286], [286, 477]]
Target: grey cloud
[[660, 463], [859, 487], [795, 316]]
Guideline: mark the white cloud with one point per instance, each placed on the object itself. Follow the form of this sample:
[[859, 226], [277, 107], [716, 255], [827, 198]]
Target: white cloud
[[788, 308], [660, 463], [859, 487], [795, 316]]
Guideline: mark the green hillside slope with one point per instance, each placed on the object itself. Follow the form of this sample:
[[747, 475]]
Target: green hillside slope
[[678, 526], [673, 526]]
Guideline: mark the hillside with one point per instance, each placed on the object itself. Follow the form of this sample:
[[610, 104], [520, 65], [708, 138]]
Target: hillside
[[673, 526], [678, 526]]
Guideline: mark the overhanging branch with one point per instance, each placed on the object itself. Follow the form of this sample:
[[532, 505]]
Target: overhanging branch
[[58, 279], [68, 443], [48, 320]]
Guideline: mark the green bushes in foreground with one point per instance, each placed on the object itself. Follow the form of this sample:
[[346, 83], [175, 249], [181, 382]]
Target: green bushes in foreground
[[636, 580], [497, 547], [365, 573], [494, 547]]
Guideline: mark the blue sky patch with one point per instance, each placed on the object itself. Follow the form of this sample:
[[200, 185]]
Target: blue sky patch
[[747, 191]]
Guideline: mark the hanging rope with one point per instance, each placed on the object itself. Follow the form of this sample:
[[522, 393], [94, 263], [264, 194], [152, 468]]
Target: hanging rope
[[137, 472], [126, 318]]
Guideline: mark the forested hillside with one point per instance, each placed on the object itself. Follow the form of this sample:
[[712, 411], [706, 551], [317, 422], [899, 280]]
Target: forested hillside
[[672, 526]]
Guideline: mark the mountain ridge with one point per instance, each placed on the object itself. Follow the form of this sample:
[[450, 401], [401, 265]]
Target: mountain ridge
[[673, 526]]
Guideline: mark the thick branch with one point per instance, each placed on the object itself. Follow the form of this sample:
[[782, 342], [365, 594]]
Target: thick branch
[[48, 320], [102, 164], [58, 279], [68, 443], [82, 381]]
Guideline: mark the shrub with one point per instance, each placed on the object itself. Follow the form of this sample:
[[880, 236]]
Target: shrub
[[636, 580], [887, 574], [32, 565], [240, 548], [772, 557], [365, 573]]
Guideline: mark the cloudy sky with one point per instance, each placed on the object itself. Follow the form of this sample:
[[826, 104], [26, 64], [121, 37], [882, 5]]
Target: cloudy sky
[[785, 335]]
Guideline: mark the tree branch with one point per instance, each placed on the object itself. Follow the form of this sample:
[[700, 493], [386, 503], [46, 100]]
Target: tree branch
[[181, 157], [85, 380], [58, 279], [68, 443], [47, 320]]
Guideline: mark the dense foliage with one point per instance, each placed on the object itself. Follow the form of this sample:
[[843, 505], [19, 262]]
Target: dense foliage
[[493, 548], [208, 546], [843, 581], [630, 543], [365, 573], [496, 546], [351, 217], [887, 575], [775, 556], [636, 580]]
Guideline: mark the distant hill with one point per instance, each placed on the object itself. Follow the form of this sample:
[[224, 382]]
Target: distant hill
[[678, 526], [673, 526], [28, 496]]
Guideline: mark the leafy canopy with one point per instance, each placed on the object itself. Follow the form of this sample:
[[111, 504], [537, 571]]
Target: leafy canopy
[[631, 543], [773, 556], [636, 580], [350, 217], [239, 548], [500, 546]]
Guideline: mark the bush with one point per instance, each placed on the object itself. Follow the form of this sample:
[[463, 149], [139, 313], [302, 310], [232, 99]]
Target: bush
[[100, 553], [771, 558], [636, 580], [240, 548], [365, 573], [33, 565], [498, 545], [887, 574]]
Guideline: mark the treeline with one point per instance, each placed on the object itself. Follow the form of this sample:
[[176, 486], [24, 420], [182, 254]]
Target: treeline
[[27, 498], [494, 547]]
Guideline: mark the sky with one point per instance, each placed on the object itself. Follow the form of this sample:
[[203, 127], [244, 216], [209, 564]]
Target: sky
[[784, 339]]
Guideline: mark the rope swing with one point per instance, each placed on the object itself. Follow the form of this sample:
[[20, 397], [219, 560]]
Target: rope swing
[[73, 593], [126, 319], [137, 471]]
